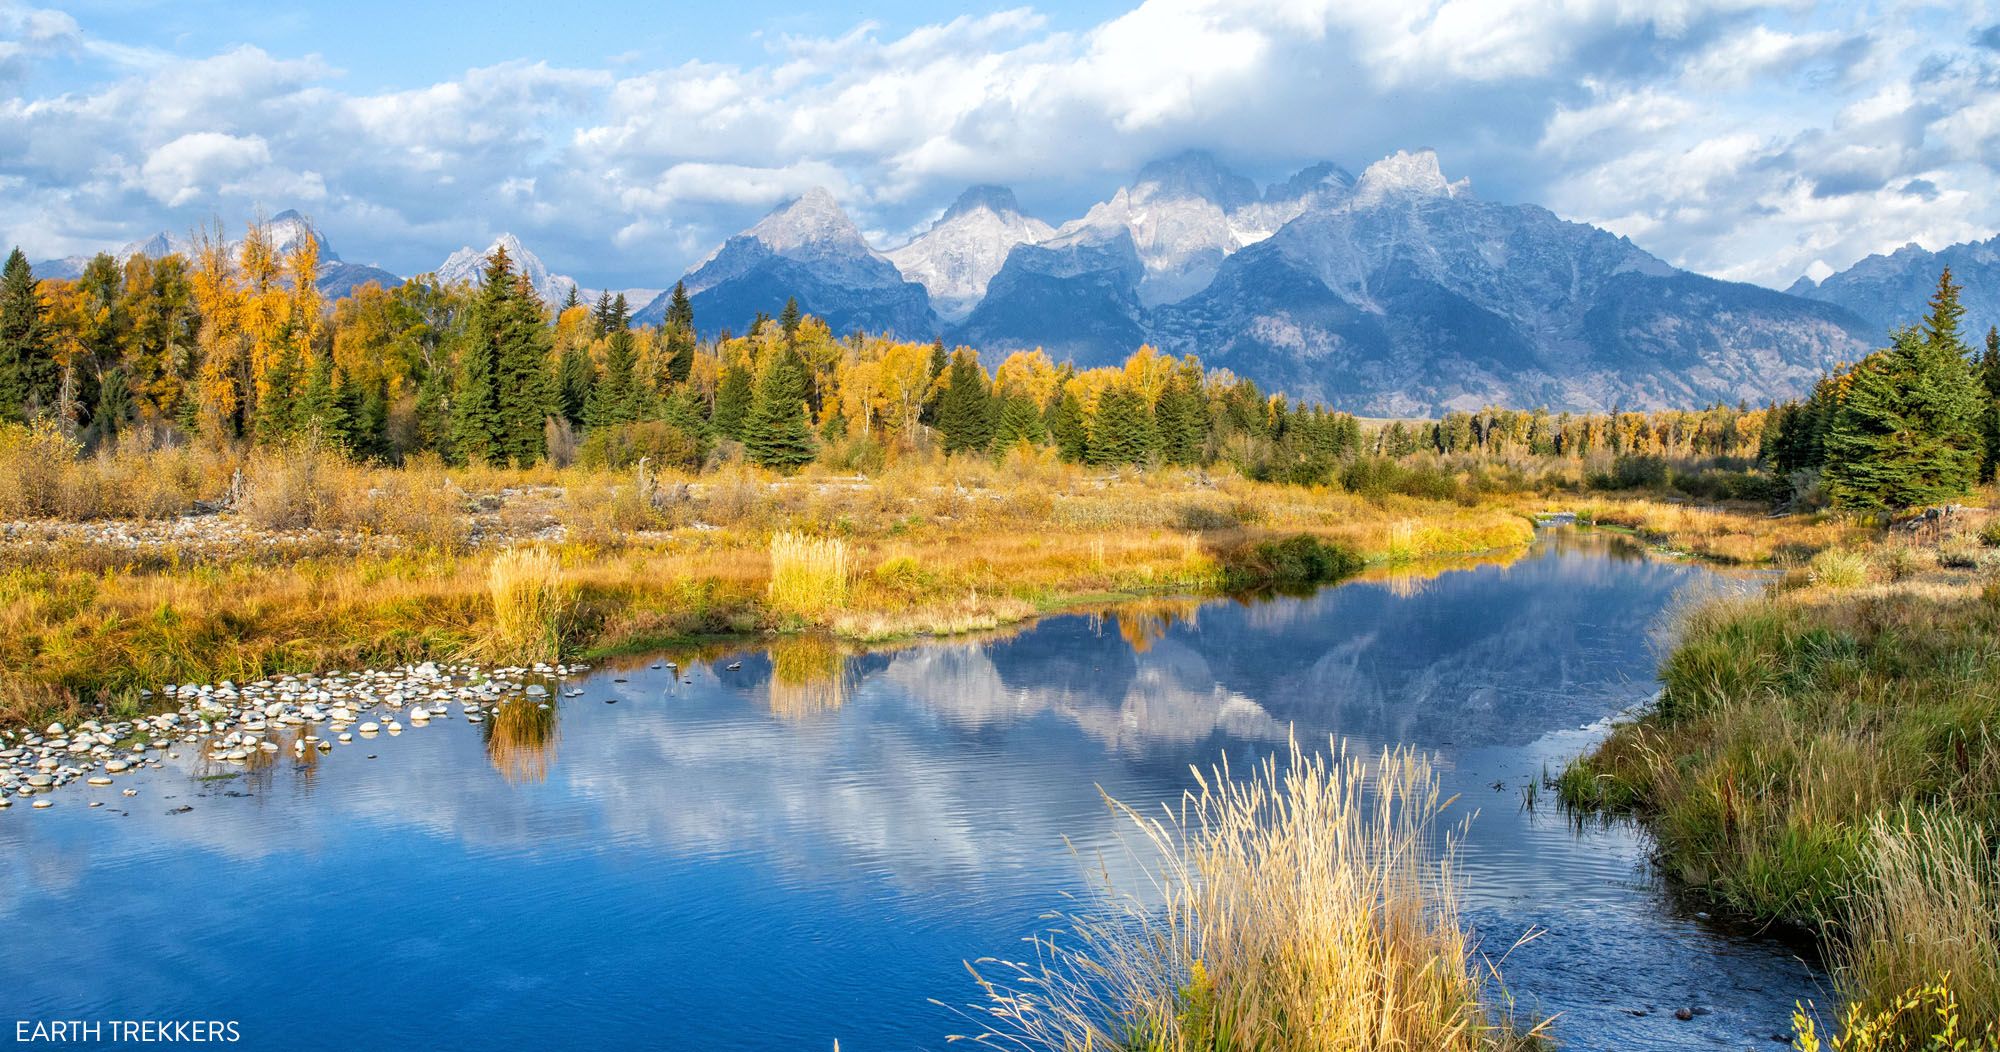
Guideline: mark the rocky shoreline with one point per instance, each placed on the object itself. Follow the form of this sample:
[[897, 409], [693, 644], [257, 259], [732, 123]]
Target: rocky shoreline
[[248, 724]]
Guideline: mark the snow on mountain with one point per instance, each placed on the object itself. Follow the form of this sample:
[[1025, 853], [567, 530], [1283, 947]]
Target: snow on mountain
[[469, 265], [807, 248], [1187, 213], [337, 277], [959, 255], [1411, 296]]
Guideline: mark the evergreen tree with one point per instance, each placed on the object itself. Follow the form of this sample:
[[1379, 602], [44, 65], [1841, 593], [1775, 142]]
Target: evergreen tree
[[964, 416], [570, 300], [1909, 431], [1123, 432], [114, 407], [28, 375], [1989, 375], [576, 377], [777, 434], [320, 410], [680, 313], [504, 390], [1020, 421], [789, 320], [1068, 427], [600, 316], [680, 354], [1183, 423], [614, 398], [277, 415], [732, 402], [933, 391]]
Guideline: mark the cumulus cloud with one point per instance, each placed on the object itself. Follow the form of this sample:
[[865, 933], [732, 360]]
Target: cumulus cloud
[[1747, 139]]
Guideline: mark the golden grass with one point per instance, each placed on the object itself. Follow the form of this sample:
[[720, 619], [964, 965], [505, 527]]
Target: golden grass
[[1728, 534], [1928, 910], [530, 602], [1309, 907], [521, 738], [808, 575]]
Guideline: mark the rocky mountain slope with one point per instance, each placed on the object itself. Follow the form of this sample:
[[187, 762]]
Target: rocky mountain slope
[[1890, 291], [959, 255]]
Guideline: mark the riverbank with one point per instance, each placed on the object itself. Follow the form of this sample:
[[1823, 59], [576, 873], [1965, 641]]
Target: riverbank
[[1823, 755], [319, 564]]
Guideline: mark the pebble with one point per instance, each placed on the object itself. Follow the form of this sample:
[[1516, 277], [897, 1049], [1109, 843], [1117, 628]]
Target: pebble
[[98, 779], [40, 804]]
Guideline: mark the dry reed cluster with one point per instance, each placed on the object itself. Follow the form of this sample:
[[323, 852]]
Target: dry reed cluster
[[530, 601], [1310, 906], [808, 575]]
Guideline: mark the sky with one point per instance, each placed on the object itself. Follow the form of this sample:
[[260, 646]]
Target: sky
[[621, 142]]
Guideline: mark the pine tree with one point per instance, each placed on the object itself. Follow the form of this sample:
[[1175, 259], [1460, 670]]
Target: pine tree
[[572, 299], [1020, 421], [777, 434], [600, 316], [732, 402], [1989, 375], [1068, 428], [1909, 431], [527, 385], [614, 398], [680, 313], [933, 391], [502, 388], [319, 409], [964, 416], [1123, 432], [1183, 423], [277, 415], [576, 377], [789, 321], [114, 407], [27, 367]]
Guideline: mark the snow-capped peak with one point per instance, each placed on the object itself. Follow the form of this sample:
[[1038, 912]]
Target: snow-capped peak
[[468, 265], [1405, 173], [1194, 173], [957, 257], [814, 220], [289, 228]]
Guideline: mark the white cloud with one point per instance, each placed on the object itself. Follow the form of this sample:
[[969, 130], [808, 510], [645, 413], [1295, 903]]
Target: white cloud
[[1736, 137]]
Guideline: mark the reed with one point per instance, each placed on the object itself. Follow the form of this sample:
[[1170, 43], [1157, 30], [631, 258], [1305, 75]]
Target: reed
[[530, 600], [1310, 906], [808, 575]]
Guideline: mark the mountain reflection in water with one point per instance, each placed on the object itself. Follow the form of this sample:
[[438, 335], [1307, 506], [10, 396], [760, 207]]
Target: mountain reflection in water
[[806, 848]]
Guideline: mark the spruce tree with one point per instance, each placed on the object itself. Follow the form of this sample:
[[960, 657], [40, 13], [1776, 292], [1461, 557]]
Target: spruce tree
[[319, 409], [1989, 375], [964, 417], [114, 407], [28, 375], [1123, 432], [777, 434], [789, 321], [572, 299], [680, 313], [600, 316], [614, 398], [576, 376], [1909, 431], [277, 416], [1068, 428], [732, 402], [479, 431], [1020, 421], [527, 384]]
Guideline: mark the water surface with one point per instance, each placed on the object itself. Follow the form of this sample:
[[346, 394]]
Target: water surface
[[808, 847]]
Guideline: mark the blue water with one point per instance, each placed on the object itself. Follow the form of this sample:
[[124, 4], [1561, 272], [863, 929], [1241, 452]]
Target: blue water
[[728, 859]]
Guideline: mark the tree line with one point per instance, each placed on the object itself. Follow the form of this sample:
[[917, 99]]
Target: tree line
[[1916, 423], [234, 343]]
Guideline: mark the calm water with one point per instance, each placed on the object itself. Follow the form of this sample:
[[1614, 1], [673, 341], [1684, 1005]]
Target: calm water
[[807, 848]]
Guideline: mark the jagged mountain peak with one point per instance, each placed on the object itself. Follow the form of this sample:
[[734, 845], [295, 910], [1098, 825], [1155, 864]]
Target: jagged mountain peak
[[1405, 174], [1193, 173], [812, 219], [996, 199], [1312, 179], [468, 265]]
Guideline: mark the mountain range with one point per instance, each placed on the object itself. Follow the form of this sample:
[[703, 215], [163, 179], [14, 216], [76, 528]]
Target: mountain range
[[1396, 292], [1893, 290]]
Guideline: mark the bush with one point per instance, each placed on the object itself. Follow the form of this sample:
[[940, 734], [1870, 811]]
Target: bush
[[808, 575], [662, 444], [530, 602], [1840, 568], [1297, 562], [1377, 477], [300, 487]]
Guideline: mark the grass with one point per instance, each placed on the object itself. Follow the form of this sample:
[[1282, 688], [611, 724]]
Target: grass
[[1309, 906], [808, 575], [530, 604], [1825, 755]]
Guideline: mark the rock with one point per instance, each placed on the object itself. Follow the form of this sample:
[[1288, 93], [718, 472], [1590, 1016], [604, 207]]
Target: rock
[[131, 792], [368, 728], [117, 766], [1683, 1014], [55, 730], [97, 779], [40, 781], [39, 804]]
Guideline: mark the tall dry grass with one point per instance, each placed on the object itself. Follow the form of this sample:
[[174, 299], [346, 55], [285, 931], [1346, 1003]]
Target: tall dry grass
[[1311, 906], [530, 601], [1927, 911], [808, 575]]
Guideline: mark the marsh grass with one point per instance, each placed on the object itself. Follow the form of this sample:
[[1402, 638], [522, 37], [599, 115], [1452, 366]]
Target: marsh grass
[[1927, 910], [808, 575], [530, 603], [1309, 906]]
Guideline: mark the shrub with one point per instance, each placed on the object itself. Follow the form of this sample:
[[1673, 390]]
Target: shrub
[[620, 446], [1296, 562], [298, 487], [36, 465]]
